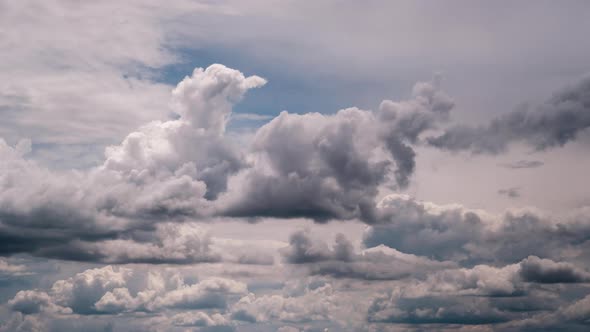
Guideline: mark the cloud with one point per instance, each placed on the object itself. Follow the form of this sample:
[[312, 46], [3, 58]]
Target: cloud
[[523, 164], [21, 323], [314, 303], [318, 166], [209, 293], [204, 102], [256, 258], [81, 292], [342, 261], [470, 236], [572, 316], [107, 290], [166, 170], [199, 318], [327, 167], [250, 117], [552, 124], [425, 229], [7, 268], [535, 269], [32, 302], [169, 243], [445, 295], [481, 295], [513, 192], [303, 249], [432, 310]]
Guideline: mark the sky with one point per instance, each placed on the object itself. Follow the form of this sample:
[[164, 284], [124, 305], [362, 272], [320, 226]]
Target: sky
[[269, 165]]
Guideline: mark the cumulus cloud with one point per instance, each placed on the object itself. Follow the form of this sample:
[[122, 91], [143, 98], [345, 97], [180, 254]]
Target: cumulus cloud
[[422, 228], [341, 260], [83, 290], [199, 318], [303, 249], [331, 166], [429, 310], [535, 269], [32, 302], [552, 124], [171, 243], [165, 170], [210, 293], [572, 316], [313, 165], [467, 236], [111, 290], [74, 88], [315, 302], [481, 295], [447, 294]]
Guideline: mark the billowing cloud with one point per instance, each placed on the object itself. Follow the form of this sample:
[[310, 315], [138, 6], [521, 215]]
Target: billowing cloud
[[539, 270], [107, 290], [331, 166], [165, 170], [469, 236], [32, 302], [313, 165], [199, 318], [313, 303]]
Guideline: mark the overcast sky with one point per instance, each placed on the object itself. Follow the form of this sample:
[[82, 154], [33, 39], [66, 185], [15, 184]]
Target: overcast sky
[[293, 166]]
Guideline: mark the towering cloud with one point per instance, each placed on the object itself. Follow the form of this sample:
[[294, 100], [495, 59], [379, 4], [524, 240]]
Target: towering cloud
[[163, 172]]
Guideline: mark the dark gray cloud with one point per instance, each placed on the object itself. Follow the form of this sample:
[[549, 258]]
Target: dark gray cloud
[[552, 124], [546, 271]]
